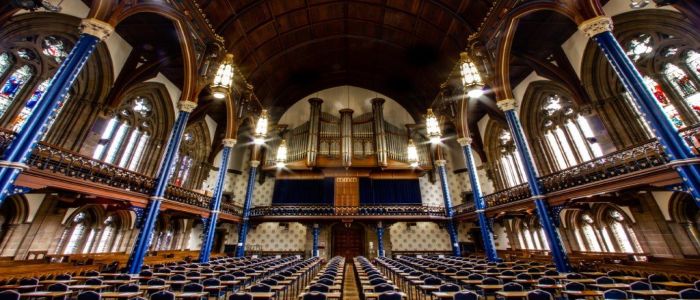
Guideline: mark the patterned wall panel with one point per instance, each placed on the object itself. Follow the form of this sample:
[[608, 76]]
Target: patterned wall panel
[[270, 236], [431, 193], [425, 236]]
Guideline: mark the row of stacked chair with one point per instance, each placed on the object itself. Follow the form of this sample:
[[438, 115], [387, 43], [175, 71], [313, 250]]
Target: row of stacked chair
[[324, 285], [373, 283]]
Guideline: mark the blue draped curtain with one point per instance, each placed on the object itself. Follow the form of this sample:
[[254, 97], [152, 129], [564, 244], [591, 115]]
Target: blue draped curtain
[[304, 192], [389, 192]]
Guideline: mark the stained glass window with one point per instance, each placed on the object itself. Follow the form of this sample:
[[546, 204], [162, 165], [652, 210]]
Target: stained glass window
[[142, 106], [185, 165], [13, 86], [76, 234], [5, 63], [26, 54], [28, 108], [54, 47], [663, 99], [552, 104], [680, 80], [589, 233], [692, 60], [107, 233], [639, 46]]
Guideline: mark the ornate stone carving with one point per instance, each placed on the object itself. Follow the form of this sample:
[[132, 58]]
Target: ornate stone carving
[[228, 142], [440, 162], [254, 163], [187, 106], [506, 104], [595, 26], [97, 28], [464, 141]]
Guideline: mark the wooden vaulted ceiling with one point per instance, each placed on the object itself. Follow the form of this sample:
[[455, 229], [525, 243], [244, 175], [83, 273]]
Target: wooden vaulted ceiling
[[291, 48]]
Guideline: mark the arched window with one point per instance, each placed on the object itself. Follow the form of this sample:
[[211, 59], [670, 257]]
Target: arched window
[[589, 241], [19, 121], [624, 236], [14, 85], [126, 135], [6, 62], [107, 236], [670, 69], [78, 236], [510, 163], [187, 171], [568, 135]]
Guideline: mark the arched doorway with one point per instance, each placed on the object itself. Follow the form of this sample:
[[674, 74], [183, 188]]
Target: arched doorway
[[348, 240]]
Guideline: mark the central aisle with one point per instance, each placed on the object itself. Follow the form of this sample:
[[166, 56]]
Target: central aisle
[[350, 291]]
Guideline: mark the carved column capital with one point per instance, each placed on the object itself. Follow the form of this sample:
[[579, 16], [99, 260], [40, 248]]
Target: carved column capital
[[228, 142], [464, 141], [187, 106], [596, 25], [96, 28], [440, 162], [506, 104], [254, 163]]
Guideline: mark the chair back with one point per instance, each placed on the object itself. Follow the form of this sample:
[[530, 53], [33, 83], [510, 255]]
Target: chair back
[[156, 281], [193, 288], [475, 277], [614, 294], [449, 287], [383, 287], [604, 280], [269, 281], [523, 276], [89, 295], [314, 296], [376, 281], [547, 281], [513, 287], [432, 281], [63, 277], [57, 287], [28, 281], [574, 286], [638, 286], [9, 295], [539, 295], [260, 287], [319, 287], [490, 281], [689, 294], [466, 295], [697, 285], [163, 295], [325, 281], [93, 281], [211, 282], [128, 288], [390, 295], [459, 273]]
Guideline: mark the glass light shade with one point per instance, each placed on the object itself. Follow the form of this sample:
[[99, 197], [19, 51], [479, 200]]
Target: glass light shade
[[639, 3], [281, 157], [412, 154], [470, 73], [432, 126], [261, 128], [223, 78]]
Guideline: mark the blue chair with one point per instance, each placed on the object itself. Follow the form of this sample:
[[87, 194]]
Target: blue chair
[[604, 280], [513, 287], [260, 287], [89, 295], [163, 295], [240, 296], [63, 277], [314, 296], [155, 281], [213, 282], [689, 294], [574, 286], [614, 294], [466, 295], [28, 282], [639, 286], [93, 281], [128, 288], [377, 281], [449, 287], [383, 287], [653, 278], [539, 295], [390, 295], [697, 285], [432, 281], [319, 287], [9, 295], [193, 288]]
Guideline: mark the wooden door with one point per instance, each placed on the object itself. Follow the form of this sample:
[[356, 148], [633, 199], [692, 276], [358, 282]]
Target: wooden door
[[347, 195], [348, 241]]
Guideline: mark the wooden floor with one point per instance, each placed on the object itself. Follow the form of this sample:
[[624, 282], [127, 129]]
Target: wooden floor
[[350, 291]]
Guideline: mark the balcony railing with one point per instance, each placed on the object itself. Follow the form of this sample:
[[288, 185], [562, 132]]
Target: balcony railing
[[349, 211], [645, 156], [64, 162]]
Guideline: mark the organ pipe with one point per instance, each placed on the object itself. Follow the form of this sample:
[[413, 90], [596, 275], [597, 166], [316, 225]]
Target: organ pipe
[[314, 127], [379, 133], [346, 136]]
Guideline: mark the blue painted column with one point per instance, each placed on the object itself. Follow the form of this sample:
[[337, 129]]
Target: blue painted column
[[380, 239], [451, 229], [15, 157], [243, 231], [215, 205], [316, 232], [677, 150], [479, 203], [161, 184], [556, 247]]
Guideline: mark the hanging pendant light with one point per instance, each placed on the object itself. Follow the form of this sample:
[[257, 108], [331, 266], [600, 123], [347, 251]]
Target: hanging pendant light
[[281, 158], [432, 126], [261, 128], [639, 3], [412, 154], [223, 78], [471, 79]]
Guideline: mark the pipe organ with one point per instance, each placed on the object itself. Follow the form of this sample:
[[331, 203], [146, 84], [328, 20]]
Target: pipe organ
[[344, 140]]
